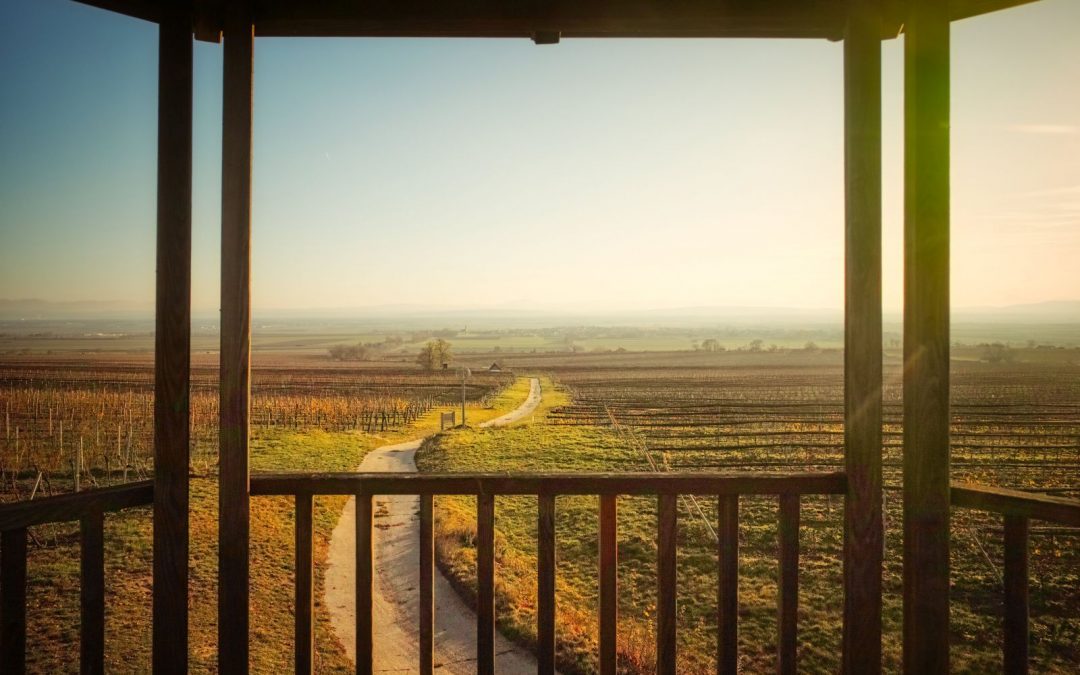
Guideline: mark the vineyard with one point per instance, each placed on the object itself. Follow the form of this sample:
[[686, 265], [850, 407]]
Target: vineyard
[[84, 423], [1014, 425]]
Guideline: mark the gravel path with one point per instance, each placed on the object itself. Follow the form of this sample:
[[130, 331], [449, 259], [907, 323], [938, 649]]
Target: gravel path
[[397, 576]]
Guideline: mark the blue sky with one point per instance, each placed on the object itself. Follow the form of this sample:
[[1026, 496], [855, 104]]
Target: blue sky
[[591, 174]]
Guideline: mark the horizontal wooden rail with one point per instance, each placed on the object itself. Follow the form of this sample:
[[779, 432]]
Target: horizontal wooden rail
[[89, 508], [1018, 508], [560, 484], [75, 505], [1017, 503], [486, 487]]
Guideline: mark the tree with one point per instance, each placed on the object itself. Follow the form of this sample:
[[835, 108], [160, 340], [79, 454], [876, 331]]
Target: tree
[[434, 354], [357, 352], [711, 345]]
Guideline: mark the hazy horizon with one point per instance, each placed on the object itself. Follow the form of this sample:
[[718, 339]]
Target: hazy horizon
[[623, 176]]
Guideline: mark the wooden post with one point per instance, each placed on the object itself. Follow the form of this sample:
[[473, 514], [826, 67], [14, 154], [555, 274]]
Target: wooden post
[[485, 584], [545, 584], [1016, 595], [172, 342], [304, 618], [427, 585], [235, 369], [787, 598], [365, 584], [13, 600], [727, 643], [609, 584], [863, 527], [92, 593], [926, 337], [666, 584]]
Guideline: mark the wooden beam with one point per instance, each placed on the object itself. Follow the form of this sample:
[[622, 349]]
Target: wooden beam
[[235, 407], [545, 585], [552, 483], [926, 338], [147, 10], [863, 528], [172, 343], [1061, 510], [608, 564], [576, 18], [73, 505], [667, 584], [13, 600]]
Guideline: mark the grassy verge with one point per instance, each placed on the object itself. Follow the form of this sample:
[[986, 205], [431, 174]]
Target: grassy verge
[[53, 573]]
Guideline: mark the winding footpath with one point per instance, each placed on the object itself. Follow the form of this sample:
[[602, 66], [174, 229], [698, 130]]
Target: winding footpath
[[397, 578]]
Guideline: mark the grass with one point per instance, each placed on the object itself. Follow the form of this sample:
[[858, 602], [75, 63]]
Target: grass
[[539, 446], [53, 568]]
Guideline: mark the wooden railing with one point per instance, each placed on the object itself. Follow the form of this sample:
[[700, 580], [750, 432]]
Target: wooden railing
[[89, 508], [666, 487], [1017, 508]]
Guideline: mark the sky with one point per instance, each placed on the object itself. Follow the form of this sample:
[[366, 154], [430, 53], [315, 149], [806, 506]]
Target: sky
[[588, 175]]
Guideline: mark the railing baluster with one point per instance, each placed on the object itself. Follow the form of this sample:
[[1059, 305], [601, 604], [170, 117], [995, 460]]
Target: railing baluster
[[788, 596], [545, 585], [609, 583], [667, 527], [1016, 595], [364, 584], [92, 593], [304, 596], [13, 599], [485, 573], [727, 656], [427, 585]]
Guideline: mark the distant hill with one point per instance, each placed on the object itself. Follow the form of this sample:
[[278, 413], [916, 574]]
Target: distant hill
[[30, 309]]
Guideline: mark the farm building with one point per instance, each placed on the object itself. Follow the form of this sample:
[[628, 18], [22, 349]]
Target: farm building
[[927, 493]]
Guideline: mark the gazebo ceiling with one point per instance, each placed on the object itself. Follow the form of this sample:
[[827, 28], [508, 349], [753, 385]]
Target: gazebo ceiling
[[545, 20]]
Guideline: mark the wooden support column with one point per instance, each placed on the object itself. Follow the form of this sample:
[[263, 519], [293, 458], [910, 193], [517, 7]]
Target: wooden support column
[[863, 534], [235, 342], [926, 337], [172, 342]]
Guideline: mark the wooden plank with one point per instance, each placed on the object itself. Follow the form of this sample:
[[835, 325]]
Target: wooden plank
[[13, 600], [926, 338], [788, 596], [760, 483], [727, 656], [1016, 595], [583, 18], [863, 527], [485, 584], [666, 589], [172, 342], [72, 506], [92, 593], [609, 584], [365, 580], [235, 406], [1017, 503], [427, 585], [305, 597], [545, 585]]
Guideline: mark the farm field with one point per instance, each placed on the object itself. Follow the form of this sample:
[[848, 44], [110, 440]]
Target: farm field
[[307, 416], [1014, 425]]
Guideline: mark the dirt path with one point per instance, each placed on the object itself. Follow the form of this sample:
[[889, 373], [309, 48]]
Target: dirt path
[[397, 577]]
